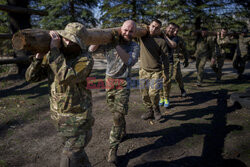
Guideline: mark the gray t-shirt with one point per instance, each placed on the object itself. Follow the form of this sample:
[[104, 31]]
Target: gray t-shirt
[[116, 68]]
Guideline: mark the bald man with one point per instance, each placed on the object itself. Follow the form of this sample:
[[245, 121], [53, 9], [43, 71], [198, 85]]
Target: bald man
[[122, 53]]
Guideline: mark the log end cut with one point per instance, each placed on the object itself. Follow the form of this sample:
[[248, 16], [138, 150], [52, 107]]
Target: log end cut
[[18, 41]]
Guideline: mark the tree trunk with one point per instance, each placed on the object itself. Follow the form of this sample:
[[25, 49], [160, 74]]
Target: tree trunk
[[19, 21], [20, 10]]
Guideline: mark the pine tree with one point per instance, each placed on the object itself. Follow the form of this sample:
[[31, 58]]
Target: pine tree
[[62, 12], [115, 12]]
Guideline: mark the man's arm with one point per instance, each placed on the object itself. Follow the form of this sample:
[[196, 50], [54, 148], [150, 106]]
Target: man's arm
[[171, 43], [131, 57], [37, 70]]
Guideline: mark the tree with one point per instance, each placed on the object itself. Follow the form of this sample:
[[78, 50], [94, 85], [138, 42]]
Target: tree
[[4, 28], [115, 12], [61, 12]]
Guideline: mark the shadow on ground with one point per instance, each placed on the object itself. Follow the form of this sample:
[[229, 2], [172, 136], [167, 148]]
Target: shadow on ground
[[215, 134]]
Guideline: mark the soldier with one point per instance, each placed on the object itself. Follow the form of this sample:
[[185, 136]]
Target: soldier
[[67, 65], [242, 53], [121, 55], [205, 46], [181, 47], [168, 70], [223, 44], [153, 51]]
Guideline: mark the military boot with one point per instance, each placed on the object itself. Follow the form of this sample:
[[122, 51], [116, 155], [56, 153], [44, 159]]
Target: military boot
[[71, 159], [112, 155], [147, 115], [157, 115]]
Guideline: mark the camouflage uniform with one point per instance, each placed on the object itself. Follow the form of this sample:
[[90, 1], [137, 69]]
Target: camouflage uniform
[[151, 84], [117, 90], [174, 70], [204, 49], [153, 53], [222, 48], [70, 101], [242, 53]]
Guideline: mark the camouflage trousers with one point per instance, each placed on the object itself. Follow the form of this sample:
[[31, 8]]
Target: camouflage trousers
[[76, 132], [117, 96], [150, 86], [173, 73], [239, 62], [217, 64], [201, 60]]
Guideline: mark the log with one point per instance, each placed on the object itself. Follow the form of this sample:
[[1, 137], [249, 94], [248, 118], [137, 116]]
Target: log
[[12, 9], [5, 36], [33, 40], [38, 41], [18, 60]]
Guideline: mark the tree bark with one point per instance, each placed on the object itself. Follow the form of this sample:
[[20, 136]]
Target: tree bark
[[12, 9], [18, 60], [5, 36]]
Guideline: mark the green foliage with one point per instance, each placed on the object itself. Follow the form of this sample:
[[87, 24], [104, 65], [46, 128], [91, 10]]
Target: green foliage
[[115, 12], [3, 163], [62, 12], [6, 47]]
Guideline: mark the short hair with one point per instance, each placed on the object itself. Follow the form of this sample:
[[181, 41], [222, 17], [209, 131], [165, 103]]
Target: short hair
[[171, 23], [224, 28], [157, 21], [204, 29], [177, 26]]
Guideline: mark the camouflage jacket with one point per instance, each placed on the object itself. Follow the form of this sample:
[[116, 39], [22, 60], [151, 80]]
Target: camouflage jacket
[[244, 45], [205, 46], [67, 81], [181, 48], [224, 45]]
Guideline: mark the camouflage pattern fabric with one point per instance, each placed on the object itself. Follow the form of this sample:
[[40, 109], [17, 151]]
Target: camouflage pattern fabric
[[117, 96], [174, 72], [222, 47], [70, 101], [167, 75], [241, 54], [150, 86], [205, 48]]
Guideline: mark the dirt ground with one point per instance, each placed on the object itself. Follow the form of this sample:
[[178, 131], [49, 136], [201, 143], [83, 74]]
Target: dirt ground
[[203, 129]]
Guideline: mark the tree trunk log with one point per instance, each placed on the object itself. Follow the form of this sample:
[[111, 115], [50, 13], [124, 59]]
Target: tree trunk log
[[18, 60], [38, 41], [21, 10], [5, 36]]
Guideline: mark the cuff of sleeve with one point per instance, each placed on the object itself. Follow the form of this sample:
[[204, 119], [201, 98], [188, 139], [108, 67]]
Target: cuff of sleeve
[[54, 53]]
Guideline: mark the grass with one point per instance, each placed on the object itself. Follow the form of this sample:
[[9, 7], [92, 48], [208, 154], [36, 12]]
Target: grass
[[3, 163]]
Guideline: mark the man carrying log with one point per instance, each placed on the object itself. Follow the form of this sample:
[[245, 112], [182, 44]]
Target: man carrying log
[[153, 51], [205, 48], [223, 44], [122, 53], [168, 70], [181, 48], [242, 53], [67, 65]]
